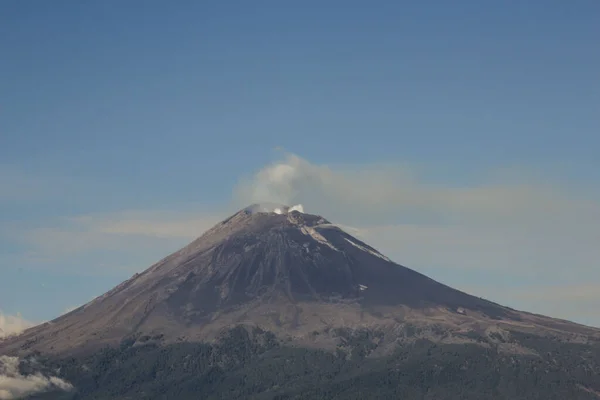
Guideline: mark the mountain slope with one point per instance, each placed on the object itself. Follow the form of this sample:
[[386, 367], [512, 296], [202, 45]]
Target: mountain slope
[[288, 272], [279, 304], [253, 365]]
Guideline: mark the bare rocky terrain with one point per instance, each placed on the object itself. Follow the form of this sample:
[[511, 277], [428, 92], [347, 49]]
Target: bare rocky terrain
[[291, 273], [264, 285]]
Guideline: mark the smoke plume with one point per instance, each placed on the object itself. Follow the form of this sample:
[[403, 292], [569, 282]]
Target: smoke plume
[[268, 207]]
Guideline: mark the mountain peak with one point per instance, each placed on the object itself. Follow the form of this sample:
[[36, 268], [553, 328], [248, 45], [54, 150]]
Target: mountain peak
[[270, 207], [293, 214], [272, 266]]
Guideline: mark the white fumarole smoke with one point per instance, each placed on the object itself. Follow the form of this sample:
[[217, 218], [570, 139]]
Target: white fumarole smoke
[[13, 385], [274, 208], [293, 180], [280, 182], [297, 207]]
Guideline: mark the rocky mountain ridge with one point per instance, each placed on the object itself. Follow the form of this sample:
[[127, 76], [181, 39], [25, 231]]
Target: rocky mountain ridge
[[291, 273]]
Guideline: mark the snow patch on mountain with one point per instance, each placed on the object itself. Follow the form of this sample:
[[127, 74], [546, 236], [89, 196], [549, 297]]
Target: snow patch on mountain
[[312, 232], [363, 248]]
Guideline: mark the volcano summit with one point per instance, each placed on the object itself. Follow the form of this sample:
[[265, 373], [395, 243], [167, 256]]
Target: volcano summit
[[282, 270], [274, 303]]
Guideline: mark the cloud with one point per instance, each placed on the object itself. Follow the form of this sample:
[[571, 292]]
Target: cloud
[[508, 226], [495, 224], [107, 230], [13, 325], [160, 224], [583, 292], [568, 301], [111, 241], [15, 385], [384, 191]]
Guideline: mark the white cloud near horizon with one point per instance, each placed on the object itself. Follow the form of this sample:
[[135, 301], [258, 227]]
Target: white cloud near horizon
[[508, 227], [13, 325], [116, 231], [14, 385], [570, 301]]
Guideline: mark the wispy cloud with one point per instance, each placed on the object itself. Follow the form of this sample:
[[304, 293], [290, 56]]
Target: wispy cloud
[[578, 301], [14, 385], [496, 224], [124, 233], [159, 224], [13, 325], [383, 192], [506, 224]]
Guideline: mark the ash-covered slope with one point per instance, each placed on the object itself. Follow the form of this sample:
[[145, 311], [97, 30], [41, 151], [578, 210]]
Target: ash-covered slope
[[286, 271]]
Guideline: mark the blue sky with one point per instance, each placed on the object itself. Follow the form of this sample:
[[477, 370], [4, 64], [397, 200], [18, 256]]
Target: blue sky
[[460, 138]]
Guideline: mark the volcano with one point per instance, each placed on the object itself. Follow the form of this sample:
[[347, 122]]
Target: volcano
[[281, 270]]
